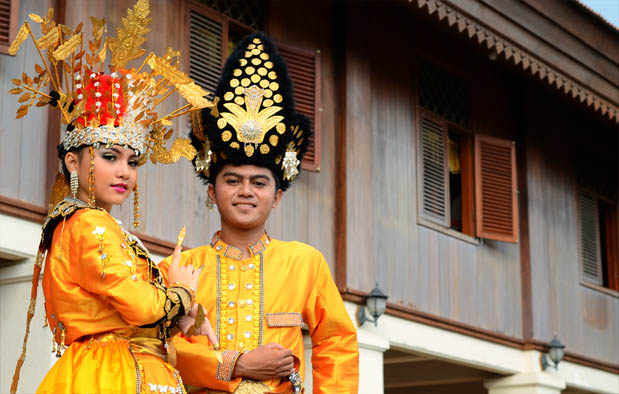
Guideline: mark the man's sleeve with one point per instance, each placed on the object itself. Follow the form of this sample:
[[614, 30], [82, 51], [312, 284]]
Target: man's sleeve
[[195, 358], [335, 352]]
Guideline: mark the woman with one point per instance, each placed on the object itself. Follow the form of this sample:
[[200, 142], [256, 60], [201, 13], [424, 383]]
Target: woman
[[107, 305]]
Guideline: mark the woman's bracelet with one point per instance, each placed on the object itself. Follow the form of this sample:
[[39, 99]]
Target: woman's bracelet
[[189, 290]]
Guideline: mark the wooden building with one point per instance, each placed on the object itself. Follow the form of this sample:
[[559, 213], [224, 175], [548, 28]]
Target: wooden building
[[465, 158]]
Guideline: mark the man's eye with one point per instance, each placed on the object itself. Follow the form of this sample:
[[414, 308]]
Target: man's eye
[[232, 181], [259, 184]]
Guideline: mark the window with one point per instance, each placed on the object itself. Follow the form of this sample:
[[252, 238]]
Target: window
[[214, 27], [598, 239], [467, 182], [9, 10]]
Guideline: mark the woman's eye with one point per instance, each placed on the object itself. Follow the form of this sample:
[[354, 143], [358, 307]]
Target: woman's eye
[[109, 157], [133, 163]]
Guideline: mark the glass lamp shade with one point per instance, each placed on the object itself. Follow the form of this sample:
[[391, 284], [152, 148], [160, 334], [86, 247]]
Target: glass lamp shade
[[556, 350], [376, 302]]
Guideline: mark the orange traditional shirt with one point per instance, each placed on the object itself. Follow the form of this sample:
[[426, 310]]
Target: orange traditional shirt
[[263, 299], [105, 300]]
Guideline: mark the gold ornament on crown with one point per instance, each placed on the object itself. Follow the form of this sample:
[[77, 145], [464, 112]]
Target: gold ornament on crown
[[110, 109]]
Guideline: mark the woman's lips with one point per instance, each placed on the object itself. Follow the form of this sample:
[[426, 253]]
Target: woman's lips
[[119, 188]]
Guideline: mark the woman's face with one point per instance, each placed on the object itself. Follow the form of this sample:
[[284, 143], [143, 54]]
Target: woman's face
[[115, 174]]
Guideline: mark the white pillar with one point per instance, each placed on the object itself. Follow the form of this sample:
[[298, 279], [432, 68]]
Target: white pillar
[[371, 349], [535, 382]]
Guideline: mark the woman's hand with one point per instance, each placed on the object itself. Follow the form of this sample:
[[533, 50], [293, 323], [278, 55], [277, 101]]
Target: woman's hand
[[185, 275]]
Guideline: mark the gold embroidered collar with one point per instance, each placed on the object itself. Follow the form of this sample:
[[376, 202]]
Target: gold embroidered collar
[[236, 253]]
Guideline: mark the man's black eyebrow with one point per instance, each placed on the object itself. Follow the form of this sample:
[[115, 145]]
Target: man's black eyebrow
[[252, 177]]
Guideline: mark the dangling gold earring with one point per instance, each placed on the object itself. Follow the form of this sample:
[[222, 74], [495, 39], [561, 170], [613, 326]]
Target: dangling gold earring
[[136, 207], [91, 179], [74, 184]]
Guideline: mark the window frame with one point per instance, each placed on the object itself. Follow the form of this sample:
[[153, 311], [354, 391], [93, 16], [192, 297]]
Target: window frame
[[13, 16], [609, 244]]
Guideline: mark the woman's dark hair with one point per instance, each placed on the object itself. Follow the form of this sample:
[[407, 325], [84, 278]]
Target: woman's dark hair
[[62, 152]]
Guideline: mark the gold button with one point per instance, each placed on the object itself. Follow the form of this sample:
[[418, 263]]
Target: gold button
[[244, 267], [241, 303]]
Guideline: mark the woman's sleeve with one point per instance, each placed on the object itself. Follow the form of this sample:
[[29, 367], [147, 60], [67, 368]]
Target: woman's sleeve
[[103, 263]]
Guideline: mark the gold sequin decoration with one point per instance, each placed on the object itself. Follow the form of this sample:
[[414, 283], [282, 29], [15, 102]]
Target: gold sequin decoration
[[299, 133], [278, 98], [234, 83], [273, 75], [274, 86], [264, 149], [247, 54], [262, 71], [223, 156], [243, 62], [251, 46], [255, 61], [256, 41], [214, 158], [221, 123], [268, 65], [255, 51], [245, 82], [255, 78], [237, 72], [250, 70], [264, 84], [226, 135], [274, 140], [239, 90], [278, 159], [239, 100], [268, 93], [267, 102], [249, 150], [280, 128], [234, 145], [264, 56], [228, 96]]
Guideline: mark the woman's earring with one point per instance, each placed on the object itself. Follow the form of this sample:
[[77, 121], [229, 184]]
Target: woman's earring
[[136, 207], [74, 184]]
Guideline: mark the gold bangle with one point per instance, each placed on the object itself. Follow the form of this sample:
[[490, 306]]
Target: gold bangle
[[188, 289]]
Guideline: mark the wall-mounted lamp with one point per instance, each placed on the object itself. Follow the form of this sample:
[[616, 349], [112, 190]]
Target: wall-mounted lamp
[[555, 353], [376, 302]]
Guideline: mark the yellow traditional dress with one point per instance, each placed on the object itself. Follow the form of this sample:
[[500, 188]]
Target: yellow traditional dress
[[105, 300], [263, 299]]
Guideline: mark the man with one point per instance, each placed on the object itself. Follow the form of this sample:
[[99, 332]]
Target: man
[[259, 292]]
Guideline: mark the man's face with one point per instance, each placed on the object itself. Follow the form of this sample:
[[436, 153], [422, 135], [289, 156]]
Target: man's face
[[244, 196]]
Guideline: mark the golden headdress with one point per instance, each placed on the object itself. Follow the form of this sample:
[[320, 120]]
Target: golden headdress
[[253, 120], [110, 109]]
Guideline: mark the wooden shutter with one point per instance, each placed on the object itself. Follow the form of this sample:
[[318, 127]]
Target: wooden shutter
[[496, 204], [590, 254], [8, 23], [304, 69], [434, 179], [207, 39]]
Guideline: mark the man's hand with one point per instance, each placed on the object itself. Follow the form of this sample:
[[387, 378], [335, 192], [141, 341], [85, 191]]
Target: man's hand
[[266, 362]]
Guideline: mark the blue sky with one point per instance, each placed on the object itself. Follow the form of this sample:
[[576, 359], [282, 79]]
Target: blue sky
[[609, 9]]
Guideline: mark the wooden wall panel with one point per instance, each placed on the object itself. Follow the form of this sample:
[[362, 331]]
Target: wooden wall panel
[[586, 320], [22, 141], [416, 266], [307, 210]]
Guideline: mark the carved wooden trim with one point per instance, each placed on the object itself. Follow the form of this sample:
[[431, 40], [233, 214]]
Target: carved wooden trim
[[507, 49]]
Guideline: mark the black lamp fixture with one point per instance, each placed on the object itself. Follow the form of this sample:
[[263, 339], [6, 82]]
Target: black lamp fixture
[[376, 302], [556, 350]]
